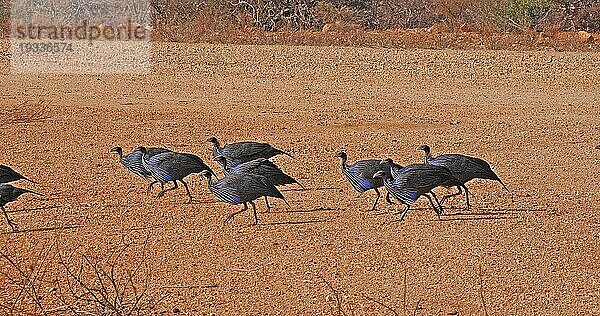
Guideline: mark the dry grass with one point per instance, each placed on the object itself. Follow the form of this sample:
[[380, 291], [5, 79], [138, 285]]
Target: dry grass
[[460, 24]]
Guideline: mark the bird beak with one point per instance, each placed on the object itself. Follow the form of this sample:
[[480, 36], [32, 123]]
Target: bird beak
[[597, 147], [420, 147]]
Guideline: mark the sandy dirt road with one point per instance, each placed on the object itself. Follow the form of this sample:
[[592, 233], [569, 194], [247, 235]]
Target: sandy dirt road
[[533, 115]]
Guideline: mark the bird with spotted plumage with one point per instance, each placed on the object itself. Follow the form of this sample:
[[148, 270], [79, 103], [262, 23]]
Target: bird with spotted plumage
[[409, 183], [9, 193], [242, 188], [262, 167], [360, 175], [240, 152], [464, 168], [133, 162], [8, 175], [172, 166]]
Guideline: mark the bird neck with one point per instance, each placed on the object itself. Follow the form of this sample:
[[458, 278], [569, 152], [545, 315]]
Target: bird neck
[[210, 181], [344, 162], [217, 146], [427, 156]]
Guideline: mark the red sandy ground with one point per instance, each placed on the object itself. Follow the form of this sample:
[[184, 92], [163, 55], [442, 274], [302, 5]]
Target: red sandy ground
[[533, 115]]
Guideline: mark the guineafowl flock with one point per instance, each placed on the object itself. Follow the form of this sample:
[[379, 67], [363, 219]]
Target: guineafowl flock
[[249, 174]]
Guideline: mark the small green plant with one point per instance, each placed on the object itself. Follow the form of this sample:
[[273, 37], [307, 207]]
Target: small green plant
[[521, 14]]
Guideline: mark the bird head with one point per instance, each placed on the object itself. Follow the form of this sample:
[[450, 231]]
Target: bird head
[[213, 140], [342, 154], [386, 161], [206, 173], [424, 148], [142, 149], [117, 150]]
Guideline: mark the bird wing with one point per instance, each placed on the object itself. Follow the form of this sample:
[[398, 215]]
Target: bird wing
[[243, 149], [133, 162], [152, 151], [172, 166], [399, 187], [412, 181], [226, 190], [182, 165], [7, 174], [266, 168], [360, 175], [249, 166], [464, 168], [5, 189]]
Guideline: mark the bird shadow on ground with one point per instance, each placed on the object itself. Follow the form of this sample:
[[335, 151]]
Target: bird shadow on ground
[[464, 215], [471, 217], [293, 190], [487, 214], [313, 189], [47, 207], [194, 202], [42, 229], [292, 222], [319, 209]]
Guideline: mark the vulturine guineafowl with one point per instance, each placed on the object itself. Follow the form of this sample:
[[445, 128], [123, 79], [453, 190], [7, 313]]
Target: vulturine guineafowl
[[411, 182], [237, 153], [262, 167], [133, 162], [464, 168], [172, 167], [242, 188], [360, 175]]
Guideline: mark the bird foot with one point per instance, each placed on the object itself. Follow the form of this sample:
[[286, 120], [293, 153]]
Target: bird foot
[[230, 218], [13, 226]]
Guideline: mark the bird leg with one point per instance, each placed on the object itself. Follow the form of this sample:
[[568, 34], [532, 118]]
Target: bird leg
[[437, 211], [453, 194], [376, 199], [388, 199], [10, 222], [254, 210], [187, 190], [467, 197], [403, 212], [267, 202], [162, 193], [438, 203], [149, 190], [232, 215]]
